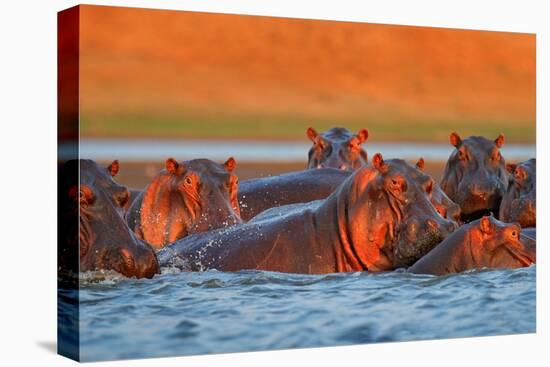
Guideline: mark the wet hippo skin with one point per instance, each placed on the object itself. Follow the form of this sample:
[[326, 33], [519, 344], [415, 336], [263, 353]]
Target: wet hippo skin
[[475, 175], [379, 219], [337, 148], [104, 240], [187, 197], [484, 243], [519, 204]]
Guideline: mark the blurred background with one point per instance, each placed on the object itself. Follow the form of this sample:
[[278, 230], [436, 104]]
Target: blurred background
[[157, 83]]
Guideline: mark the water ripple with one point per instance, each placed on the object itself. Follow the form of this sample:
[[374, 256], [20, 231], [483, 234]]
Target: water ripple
[[191, 313]]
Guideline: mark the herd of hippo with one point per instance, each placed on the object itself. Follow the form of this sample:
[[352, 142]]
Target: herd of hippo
[[343, 213]]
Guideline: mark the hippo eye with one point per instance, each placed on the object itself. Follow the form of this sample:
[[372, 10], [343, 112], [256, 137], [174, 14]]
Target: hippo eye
[[461, 155], [188, 181]]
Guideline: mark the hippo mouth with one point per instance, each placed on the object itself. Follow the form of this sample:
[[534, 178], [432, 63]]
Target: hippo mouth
[[475, 206], [521, 255]]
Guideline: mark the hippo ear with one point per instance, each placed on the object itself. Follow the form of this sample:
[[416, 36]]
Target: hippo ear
[[172, 166], [230, 164], [378, 163], [455, 140], [511, 167], [113, 168], [485, 225], [363, 135], [499, 142], [420, 164], [312, 134]]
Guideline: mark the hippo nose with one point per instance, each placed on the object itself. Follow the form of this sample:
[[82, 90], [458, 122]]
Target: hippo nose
[[445, 225], [233, 219], [146, 263], [431, 224], [481, 191], [451, 226], [223, 217]]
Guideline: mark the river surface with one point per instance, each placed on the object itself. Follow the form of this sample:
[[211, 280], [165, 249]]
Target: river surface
[[179, 313], [259, 151]]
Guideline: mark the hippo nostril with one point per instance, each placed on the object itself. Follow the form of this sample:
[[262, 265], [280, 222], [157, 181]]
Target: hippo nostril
[[128, 260], [148, 265], [431, 224], [452, 226]]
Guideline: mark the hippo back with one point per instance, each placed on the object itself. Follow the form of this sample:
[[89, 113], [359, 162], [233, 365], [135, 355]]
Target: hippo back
[[257, 195]]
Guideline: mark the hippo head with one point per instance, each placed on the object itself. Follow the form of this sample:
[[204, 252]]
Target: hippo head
[[105, 240], [483, 243], [475, 176], [189, 197], [494, 244], [392, 221], [442, 203], [420, 225], [519, 202], [337, 148]]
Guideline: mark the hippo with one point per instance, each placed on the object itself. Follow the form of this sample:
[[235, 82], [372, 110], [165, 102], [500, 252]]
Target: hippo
[[101, 240], [520, 200], [259, 194], [475, 175], [483, 243], [378, 219], [186, 197], [337, 148]]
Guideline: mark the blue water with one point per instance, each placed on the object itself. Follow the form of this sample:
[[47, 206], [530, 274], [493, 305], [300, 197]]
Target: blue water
[[213, 312]]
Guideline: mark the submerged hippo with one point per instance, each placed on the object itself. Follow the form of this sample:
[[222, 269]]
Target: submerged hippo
[[186, 197], [257, 195], [475, 176], [377, 220], [101, 240], [484, 243], [337, 148], [519, 204]]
